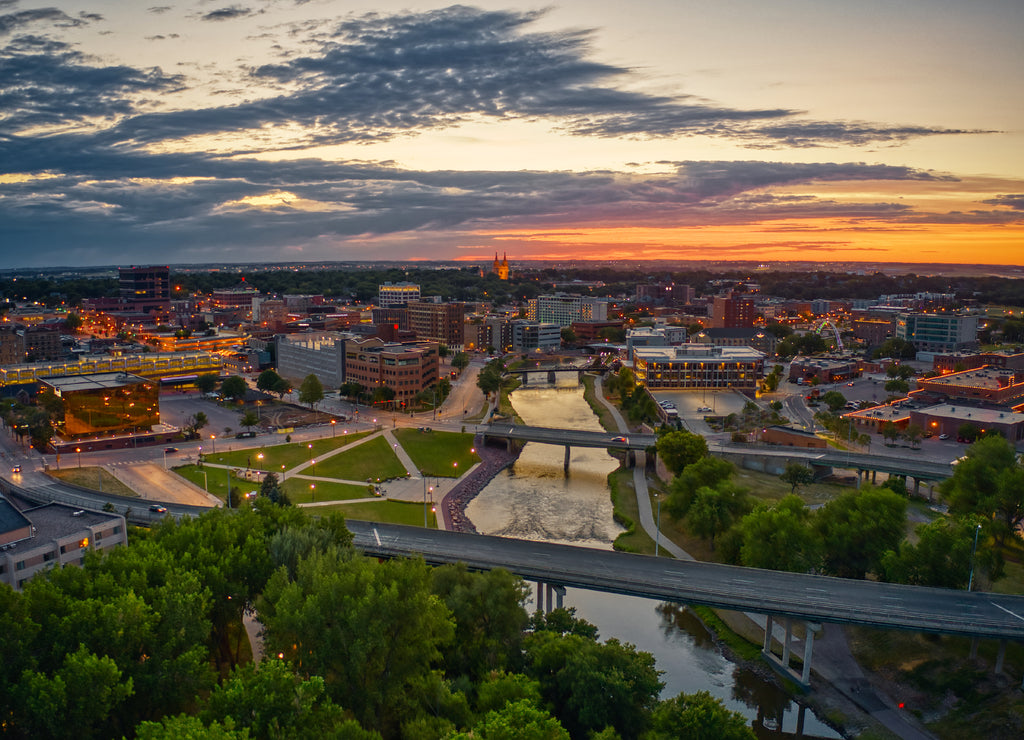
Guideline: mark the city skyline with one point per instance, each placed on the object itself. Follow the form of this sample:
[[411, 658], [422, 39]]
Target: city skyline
[[301, 131]]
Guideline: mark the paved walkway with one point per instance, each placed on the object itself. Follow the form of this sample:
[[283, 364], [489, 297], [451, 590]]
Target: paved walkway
[[643, 496]]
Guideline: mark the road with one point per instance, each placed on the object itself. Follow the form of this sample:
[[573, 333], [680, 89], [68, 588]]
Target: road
[[796, 595]]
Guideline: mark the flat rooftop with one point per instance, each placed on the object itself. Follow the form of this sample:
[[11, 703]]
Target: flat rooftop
[[93, 381], [56, 521], [880, 413], [971, 413], [989, 379]]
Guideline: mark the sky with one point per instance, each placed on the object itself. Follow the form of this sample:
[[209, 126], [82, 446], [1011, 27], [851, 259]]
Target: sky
[[281, 131]]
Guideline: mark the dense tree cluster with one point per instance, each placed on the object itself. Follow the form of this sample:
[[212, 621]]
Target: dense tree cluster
[[148, 641]]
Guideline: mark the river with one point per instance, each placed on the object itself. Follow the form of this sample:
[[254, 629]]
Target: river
[[536, 500]]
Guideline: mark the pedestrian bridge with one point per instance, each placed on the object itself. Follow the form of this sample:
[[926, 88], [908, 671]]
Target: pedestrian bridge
[[778, 595]]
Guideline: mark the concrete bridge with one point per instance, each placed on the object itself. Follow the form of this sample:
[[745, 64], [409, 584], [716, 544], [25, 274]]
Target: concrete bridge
[[780, 596], [570, 438], [773, 459]]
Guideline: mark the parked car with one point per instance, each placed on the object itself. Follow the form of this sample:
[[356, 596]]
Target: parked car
[[943, 436]]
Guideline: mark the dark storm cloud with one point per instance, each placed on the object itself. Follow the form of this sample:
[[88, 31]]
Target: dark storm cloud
[[45, 82], [158, 9], [227, 14]]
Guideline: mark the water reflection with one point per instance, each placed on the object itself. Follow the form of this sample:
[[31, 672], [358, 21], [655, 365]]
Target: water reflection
[[536, 500]]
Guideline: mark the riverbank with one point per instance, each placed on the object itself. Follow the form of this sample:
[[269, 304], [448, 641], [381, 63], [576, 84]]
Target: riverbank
[[492, 461]]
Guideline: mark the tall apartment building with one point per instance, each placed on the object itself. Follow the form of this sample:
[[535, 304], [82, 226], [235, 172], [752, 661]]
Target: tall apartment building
[[397, 317], [397, 294], [938, 332], [729, 312], [564, 309], [144, 289], [438, 322]]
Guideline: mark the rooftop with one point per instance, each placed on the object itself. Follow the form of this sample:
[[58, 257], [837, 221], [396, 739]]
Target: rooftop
[[974, 414], [93, 381]]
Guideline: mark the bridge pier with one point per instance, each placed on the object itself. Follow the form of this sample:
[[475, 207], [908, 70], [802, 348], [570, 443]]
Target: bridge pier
[[550, 595], [540, 597], [1000, 656], [782, 664], [565, 464]]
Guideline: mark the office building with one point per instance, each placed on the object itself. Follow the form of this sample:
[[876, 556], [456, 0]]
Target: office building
[[318, 353], [729, 312], [938, 332], [438, 322], [397, 294], [698, 366], [565, 309], [144, 289], [105, 403], [535, 336]]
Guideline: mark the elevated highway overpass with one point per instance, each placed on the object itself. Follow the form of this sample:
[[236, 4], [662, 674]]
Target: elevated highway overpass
[[569, 438]]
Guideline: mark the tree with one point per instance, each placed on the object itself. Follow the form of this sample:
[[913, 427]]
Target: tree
[[382, 394], [941, 556], [73, 322], [194, 423], [797, 474], [896, 348], [372, 630], [489, 378], [967, 432], [249, 419], [697, 716], [568, 335], [681, 448], [443, 351], [914, 434], [517, 720], [989, 482], [834, 400], [714, 510], [311, 392], [234, 388], [352, 390], [708, 471], [779, 537], [897, 386], [270, 382], [460, 361], [858, 528], [207, 382], [593, 685], [890, 432]]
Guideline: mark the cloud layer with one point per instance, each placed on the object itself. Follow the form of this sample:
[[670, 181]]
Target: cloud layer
[[122, 167]]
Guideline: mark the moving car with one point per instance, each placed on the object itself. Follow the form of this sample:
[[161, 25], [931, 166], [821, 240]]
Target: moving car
[[169, 450], [943, 436], [621, 440], [158, 509], [16, 469]]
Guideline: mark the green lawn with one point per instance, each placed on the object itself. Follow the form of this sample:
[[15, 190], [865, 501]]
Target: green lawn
[[287, 454], [604, 415], [94, 478], [435, 453], [216, 480], [372, 459], [388, 512], [299, 492]]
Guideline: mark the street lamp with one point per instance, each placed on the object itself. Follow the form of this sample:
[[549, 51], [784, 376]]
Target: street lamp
[[333, 424], [213, 441], [283, 473], [974, 548], [206, 482], [312, 491], [259, 460]]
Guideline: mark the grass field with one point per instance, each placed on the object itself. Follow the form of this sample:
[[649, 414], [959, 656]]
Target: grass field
[[604, 416], [94, 478], [299, 491], [439, 454], [372, 459], [388, 512], [288, 454]]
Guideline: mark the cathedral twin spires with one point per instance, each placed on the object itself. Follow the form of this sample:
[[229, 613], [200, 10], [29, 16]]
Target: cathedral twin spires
[[500, 266]]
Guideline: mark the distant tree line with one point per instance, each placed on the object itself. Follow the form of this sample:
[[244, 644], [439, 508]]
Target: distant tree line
[[359, 284]]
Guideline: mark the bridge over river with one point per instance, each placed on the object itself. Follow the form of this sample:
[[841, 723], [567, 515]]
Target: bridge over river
[[778, 595]]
